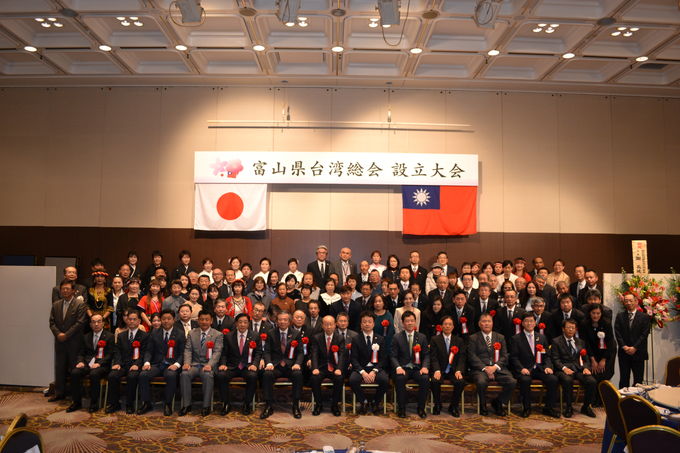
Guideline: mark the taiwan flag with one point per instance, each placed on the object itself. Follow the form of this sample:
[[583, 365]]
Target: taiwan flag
[[439, 210], [230, 207]]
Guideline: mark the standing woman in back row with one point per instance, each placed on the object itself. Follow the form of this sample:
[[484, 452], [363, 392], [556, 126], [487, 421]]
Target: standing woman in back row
[[392, 271]]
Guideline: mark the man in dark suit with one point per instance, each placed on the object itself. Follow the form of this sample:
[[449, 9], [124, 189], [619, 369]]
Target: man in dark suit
[[222, 320], [571, 361], [529, 359], [579, 283], [483, 302], [418, 272], [328, 357], [419, 299], [366, 295], [547, 292], [94, 359], [467, 281], [594, 299], [164, 356], [259, 324], [184, 266], [347, 334], [488, 360], [393, 299], [202, 351], [67, 322], [283, 356], [241, 354], [566, 311], [631, 329], [448, 359], [127, 362], [369, 364], [410, 358], [404, 281], [313, 323], [185, 323], [321, 267], [463, 316], [79, 291], [592, 284], [509, 318], [344, 267], [443, 292], [347, 305], [544, 322]]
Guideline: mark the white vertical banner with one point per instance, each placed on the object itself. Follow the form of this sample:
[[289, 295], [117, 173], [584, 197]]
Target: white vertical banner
[[230, 207], [640, 264]]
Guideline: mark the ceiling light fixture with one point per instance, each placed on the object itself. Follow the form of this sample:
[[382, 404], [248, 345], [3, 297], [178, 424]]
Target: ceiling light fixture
[[30, 49], [626, 32], [552, 28], [337, 49], [568, 55], [642, 59], [105, 48], [181, 47], [127, 21], [493, 52], [39, 19], [258, 47], [47, 22], [416, 50], [373, 22]]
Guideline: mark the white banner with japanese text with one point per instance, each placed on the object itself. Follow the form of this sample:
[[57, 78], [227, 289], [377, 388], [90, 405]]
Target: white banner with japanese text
[[335, 168]]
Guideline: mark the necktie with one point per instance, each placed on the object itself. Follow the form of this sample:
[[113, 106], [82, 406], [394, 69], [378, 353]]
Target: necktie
[[631, 316], [347, 308], [312, 322], [368, 342], [410, 341], [572, 347], [483, 306], [566, 316], [328, 345], [167, 336], [488, 341], [344, 336], [131, 337], [510, 313], [257, 327], [447, 340], [95, 340], [283, 342], [241, 342], [459, 312], [322, 266], [328, 354], [202, 340], [530, 338]]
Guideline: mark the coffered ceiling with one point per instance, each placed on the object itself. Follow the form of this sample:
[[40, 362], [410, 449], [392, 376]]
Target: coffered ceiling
[[626, 46]]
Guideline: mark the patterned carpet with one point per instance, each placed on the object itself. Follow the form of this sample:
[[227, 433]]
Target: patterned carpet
[[81, 432]]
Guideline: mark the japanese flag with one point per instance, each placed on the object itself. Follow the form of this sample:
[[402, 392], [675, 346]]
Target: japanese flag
[[230, 207]]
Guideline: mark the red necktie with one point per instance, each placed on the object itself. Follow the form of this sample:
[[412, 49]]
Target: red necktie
[[241, 342], [328, 353]]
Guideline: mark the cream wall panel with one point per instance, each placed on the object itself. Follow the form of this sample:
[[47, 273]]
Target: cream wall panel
[[395, 218], [482, 111], [671, 179], [417, 107], [77, 111], [586, 173], [639, 161], [25, 112], [23, 184], [359, 208], [530, 163], [299, 207], [245, 104], [311, 104], [359, 105]]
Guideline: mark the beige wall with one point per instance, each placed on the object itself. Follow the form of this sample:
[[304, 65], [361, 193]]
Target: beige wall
[[549, 163]]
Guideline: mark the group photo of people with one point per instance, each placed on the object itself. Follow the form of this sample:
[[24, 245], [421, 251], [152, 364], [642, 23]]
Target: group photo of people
[[377, 325]]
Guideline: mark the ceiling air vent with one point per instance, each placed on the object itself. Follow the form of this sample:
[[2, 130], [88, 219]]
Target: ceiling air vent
[[653, 66]]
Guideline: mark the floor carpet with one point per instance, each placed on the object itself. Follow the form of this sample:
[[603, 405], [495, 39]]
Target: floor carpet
[[81, 432]]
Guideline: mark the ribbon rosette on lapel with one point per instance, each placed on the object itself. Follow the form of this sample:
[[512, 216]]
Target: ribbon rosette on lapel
[[541, 327], [251, 347], [210, 345], [539, 353], [517, 322], [601, 336], [101, 344], [334, 349], [452, 353], [463, 324], [305, 342], [135, 350], [225, 331], [416, 353], [438, 329], [291, 351], [263, 337], [386, 324], [375, 347], [496, 351], [581, 354], [171, 350], [492, 313]]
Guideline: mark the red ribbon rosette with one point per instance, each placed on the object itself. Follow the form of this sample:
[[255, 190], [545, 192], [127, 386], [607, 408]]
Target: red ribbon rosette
[[416, 353], [101, 344], [539, 353], [335, 349], [305, 342], [496, 351], [385, 323], [225, 331], [135, 350], [581, 354], [438, 328], [453, 350], [492, 313], [541, 327], [517, 322], [170, 354], [251, 346], [210, 345], [463, 324], [348, 346], [291, 352], [263, 337]]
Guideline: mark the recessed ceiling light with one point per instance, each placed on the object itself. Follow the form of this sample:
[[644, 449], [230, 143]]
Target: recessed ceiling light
[[628, 34], [621, 28], [58, 24], [616, 33], [568, 55], [634, 28], [493, 52], [542, 25], [125, 23], [30, 49], [337, 49], [134, 18], [642, 58], [303, 24], [416, 50], [138, 23], [105, 48], [120, 18], [290, 24], [386, 26], [537, 30], [52, 19], [258, 47], [554, 25], [39, 19], [181, 47], [46, 24], [549, 30]]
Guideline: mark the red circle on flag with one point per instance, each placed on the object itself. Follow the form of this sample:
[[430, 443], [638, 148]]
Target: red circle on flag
[[230, 206]]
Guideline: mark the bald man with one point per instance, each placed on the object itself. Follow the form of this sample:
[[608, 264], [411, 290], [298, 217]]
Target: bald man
[[344, 267]]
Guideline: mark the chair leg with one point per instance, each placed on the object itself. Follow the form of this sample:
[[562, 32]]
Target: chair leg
[[354, 404], [394, 399], [477, 404], [611, 443]]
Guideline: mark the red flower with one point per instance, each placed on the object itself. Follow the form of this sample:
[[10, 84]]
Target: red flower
[[335, 348], [541, 325], [305, 340], [293, 344], [225, 331], [492, 313], [540, 348], [171, 343], [210, 344], [263, 336], [463, 320], [416, 348], [454, 349], [101, 343], [497, 346], [438, 327], [348, 346], [385, 323], [583, 352], [517, 321], [252, 345], [135, 344]]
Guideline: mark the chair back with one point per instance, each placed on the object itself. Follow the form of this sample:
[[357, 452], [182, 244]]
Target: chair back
[[18, 422], [653, 438], [610, 399], [673, 372], [21, 440], [636, 412]]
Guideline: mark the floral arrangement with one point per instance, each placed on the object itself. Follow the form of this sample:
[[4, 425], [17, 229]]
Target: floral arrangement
[[650, 296], [674, 290]]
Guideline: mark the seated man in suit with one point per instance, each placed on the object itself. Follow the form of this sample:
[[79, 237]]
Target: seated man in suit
[[241, 354], [631, 329], [448, 359], [442, 290], [369, 364], [222, 320], [566, 311], [347, 305], [283, 356], [571, 361], [94, 359], [185, 323], [164, 356], [488, 360], [529, 359], [127, 361], [328, 357], [410, 358], [201, 355]]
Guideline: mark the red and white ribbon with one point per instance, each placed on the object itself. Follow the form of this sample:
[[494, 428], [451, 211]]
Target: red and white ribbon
[[251, 347], [496, 355], [601, 336], [539, 354], [100, 352], [416, 354], [374, 357], [170, 353], [135, 350], [452, 354], [291, 351], [208, 353], [463, 324]]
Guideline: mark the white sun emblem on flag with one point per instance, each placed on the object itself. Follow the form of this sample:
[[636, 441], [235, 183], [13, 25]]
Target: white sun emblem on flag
[[421, 197]]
